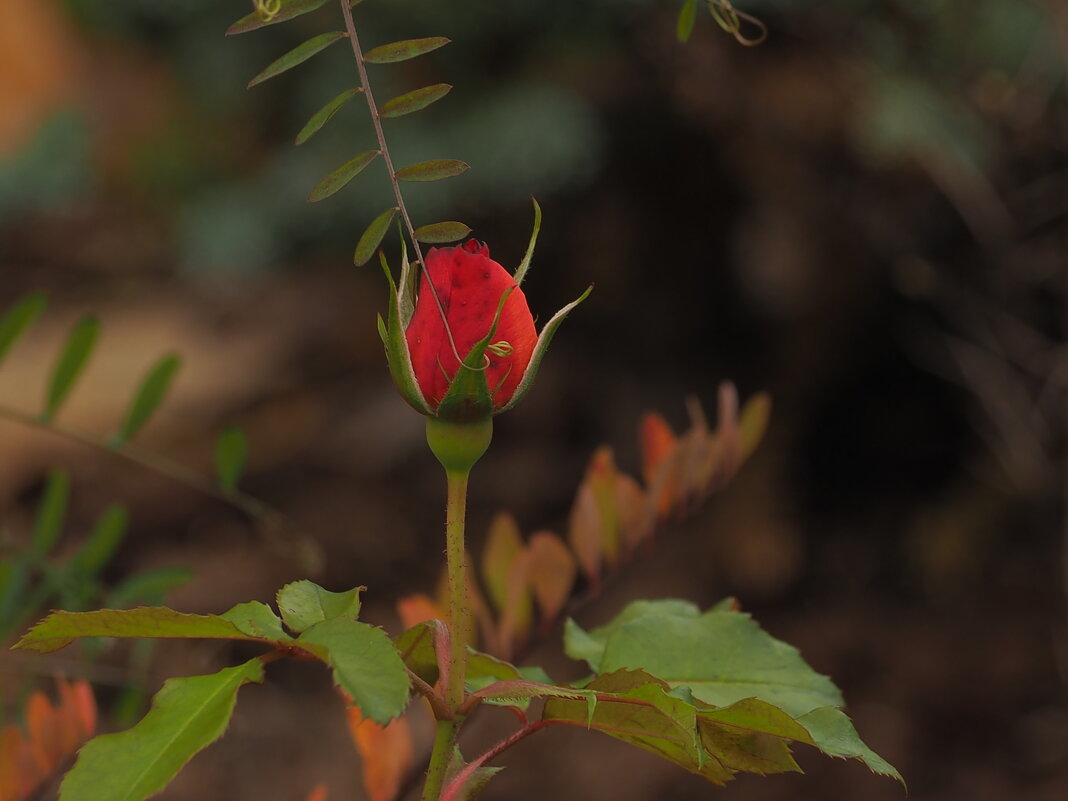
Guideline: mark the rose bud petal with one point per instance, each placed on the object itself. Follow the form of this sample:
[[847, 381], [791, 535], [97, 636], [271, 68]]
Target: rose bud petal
[[469, 285]]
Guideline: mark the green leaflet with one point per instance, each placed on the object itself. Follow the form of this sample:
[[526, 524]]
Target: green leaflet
[[403, 50], [298, 55], [305, 603], [61, 628], [415, 100], [70, 364], [372, 237], [325, 114], [187, 714], [231, 450], [365, 665], [50, 514], [338, 177], [289, 9], [149, 396], [433, 170], [442, 233], [18, 318]]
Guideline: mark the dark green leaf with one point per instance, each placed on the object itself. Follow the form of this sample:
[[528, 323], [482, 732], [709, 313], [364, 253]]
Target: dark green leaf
[[433, 170], [365, 665], [372, 237], [18, 318], [402, 51], [103, 540], [149, 396], [70, 364], [251, 621], [187, 714], [304, 603], [50, 513], [289, 9], [413, 101], [324, 115], [687, 16], [298, 55], [442, 232], [148, 587], [342, 175], [231, 450]]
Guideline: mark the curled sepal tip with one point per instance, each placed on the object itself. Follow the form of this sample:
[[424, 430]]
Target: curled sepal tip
[[541, 347]]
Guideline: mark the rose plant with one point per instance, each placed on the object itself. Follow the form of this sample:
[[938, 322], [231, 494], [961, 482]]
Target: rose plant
[[707, 690]]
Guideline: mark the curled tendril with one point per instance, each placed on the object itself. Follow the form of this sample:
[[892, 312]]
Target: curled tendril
[[503, 349], [267, 9], [730, 20]]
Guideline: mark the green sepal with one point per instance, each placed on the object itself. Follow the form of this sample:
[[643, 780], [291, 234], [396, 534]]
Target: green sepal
[[540, 349], [521, 271], [398, 356], [468, 397]]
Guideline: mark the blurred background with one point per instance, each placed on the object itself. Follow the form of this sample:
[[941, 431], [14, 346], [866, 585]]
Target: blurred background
[[866, 215]]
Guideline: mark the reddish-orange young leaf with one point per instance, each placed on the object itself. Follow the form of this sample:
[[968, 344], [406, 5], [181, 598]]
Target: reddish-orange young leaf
[[78, 698], [634, 524], [584, 534], [415, 609], [660, 463], [318, 793], [552, 574], [386, 751], [43, 732], [18, 770]]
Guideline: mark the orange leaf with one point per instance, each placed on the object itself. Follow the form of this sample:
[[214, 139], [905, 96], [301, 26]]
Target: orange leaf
[[552, 573], [43, 729], [318, 793], [18, 768], [601, 476], [660, 462], [386, 751], [415, 609], [634, 524], [518, 614], [584, 534]]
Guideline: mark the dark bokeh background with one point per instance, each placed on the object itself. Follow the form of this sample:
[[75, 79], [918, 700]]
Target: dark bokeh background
[[865, 215]]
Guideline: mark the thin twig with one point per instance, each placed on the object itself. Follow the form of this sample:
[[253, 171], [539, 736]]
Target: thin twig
[[383, 148]]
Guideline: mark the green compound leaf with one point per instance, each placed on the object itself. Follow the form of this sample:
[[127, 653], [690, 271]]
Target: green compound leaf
[[18, 318], [305, 603], [241, 623], [442, 232], [298, 55], [342, 175], [231, 451], [50, 513], [288, 10], [149, 396], [325, 114], [404, 50], [722, 657], [187, 714], [415, 100], [434, 170], [102, 543], [372, 237], [70, 364], [687, 17], [365, 665]]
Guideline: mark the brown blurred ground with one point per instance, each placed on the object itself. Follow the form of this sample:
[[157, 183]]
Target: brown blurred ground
[[771, 215]]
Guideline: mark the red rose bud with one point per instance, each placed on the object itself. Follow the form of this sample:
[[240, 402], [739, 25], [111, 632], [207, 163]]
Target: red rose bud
[[469, 286]]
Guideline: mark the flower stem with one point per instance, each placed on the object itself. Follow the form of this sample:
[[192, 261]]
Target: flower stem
[[455, 556], [444, 740]]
